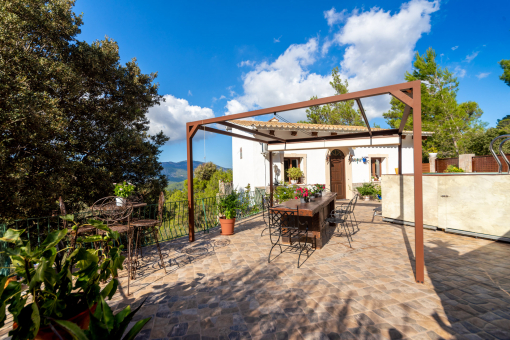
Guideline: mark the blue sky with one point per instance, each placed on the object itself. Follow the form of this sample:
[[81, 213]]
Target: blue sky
[[214, 58]]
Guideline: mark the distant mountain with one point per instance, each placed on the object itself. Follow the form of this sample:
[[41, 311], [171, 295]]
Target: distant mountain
[[177, 171]]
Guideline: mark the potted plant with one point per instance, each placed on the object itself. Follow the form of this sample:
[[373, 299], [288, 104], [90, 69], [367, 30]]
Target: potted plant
[[366, 191], [378, 192], [302, 194], [319, 189], [294, 174], [122, 191], [227, 207], [59, 294]]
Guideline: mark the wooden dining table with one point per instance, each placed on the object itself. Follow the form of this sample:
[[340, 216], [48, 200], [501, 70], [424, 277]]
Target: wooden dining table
[[314, 213]]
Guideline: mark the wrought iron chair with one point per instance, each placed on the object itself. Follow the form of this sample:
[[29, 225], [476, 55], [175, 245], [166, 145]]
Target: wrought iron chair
[[145, 227], [286, 224], [114, 212], [348, 210], [266, 205], [339, 217]]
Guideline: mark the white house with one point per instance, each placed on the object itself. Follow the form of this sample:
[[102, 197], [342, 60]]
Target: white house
[[340, 164]]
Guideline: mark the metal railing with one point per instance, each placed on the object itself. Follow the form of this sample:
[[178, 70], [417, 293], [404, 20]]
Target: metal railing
[[174, 225]]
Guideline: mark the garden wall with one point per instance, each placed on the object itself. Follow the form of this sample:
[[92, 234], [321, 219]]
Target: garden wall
[[466, 203]]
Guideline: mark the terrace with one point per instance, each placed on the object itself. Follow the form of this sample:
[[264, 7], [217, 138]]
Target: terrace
[[223, 288]]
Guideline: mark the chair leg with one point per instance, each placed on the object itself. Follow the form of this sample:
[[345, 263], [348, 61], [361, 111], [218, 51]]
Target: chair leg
[[357, 226], [155, 235], [347, 233]]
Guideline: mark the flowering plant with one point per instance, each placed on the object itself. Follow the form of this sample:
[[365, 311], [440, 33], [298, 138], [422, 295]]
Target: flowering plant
[[320, 187], [124, 189], [302, 193]]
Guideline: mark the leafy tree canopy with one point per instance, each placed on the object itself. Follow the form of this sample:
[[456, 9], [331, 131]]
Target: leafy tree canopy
[[503, 122], [441, 113], [341, 113], [505, 65], [201, 188], [73, 119], [204, 171], [478, 142]]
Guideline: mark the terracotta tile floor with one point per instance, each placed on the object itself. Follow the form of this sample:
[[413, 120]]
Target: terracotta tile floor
[[223, 288]]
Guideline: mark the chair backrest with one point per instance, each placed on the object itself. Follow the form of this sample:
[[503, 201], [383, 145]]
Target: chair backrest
[[353, 203], [280, 218], [161, 206], [112, 209], [266, 205]]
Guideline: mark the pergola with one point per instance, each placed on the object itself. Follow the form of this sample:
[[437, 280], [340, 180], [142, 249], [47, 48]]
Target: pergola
[[408, 93]]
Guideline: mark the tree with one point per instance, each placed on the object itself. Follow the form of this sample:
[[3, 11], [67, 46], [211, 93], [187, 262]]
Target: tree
[[341, 113], [73, 119], [441, 113], [505, 65], [204, 171], [503, 122], [479, 141]]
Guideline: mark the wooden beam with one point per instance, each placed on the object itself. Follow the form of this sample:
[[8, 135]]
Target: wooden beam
[[388, 132], [333, 133], [405, 116], [321, 101], [226, 133], [314, 134], [293, 133], [191, 130], [362, 110], [404, 98], [255, 132], [271, 132]]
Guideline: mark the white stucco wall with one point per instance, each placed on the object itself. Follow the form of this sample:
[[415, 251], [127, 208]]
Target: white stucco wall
[[253, 167]]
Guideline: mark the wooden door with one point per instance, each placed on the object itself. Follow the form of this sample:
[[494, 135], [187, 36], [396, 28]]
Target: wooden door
[[337, 173]]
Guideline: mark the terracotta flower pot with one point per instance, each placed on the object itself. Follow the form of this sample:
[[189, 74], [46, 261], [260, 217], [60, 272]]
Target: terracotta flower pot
[[227, 226], [82, 320]]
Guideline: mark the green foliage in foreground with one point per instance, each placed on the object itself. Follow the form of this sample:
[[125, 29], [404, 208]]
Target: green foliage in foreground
[[63, 282], [73, 118]]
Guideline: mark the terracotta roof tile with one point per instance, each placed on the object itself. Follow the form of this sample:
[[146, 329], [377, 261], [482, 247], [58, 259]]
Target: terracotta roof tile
[[310, 127]]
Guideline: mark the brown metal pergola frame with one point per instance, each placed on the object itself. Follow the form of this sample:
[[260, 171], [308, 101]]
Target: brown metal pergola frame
[[408, 93]]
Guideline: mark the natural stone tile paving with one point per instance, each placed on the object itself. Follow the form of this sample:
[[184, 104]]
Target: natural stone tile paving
[[223, 288]]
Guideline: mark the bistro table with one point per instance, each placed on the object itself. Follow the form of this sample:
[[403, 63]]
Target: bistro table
[[315, 213]]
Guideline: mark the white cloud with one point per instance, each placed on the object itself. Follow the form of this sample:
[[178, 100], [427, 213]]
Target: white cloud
[[333, 17], [379, 48], [459, 72], [471, 56], [189, 93], [246, 63], [172, 115], [286, 80], [482, 75], [277, 40], [454, 48]]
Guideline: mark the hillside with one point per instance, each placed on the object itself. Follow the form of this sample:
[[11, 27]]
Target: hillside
[[176, 171]]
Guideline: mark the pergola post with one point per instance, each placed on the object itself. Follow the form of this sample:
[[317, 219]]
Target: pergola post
[[408, 93], [400, 154], [418, 185], [271, 177], [190, 132]]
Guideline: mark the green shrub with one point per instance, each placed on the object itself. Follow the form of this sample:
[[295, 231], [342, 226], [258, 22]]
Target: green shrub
[[295, 173], [453, 168], [367, 189]]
